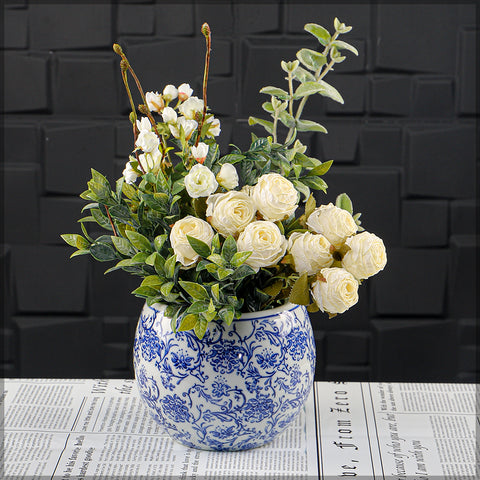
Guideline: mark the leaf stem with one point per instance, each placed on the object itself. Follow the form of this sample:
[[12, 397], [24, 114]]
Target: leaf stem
[[111, 221]]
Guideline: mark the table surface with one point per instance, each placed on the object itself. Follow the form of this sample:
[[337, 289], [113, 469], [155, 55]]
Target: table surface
[[96, 427]]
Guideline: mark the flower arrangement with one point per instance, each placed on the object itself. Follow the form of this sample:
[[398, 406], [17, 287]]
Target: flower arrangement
[[213, 236]]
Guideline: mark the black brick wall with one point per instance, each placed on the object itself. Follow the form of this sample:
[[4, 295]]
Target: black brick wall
[[403, 144]]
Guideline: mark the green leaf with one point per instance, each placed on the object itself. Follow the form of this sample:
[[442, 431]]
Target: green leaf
[[330, 92], [166, 288], [229, 248], [216, 292], [75, 240], [198, 307], [153, 281], [276, 92], [217, 259], [239, 258], [231, 158], [178, 186], [318, 31], [227, 314], [316, 183], [286, 119], [310, 206], [242, 271], [302, 188], [144, 292], [289, 66], [321, 169], [224, 272], [188, 322], [201, 327], [101, 219], [311, 59], [160, 241], [121, 213], [268, 107], [268, 126], [140, 257], [195, 290], [308, 88], [303, 75], [274, 289], [198, 246], [216, 243], [309, 126], [299, 293], [123, 246], [103, 252], [345, 46], [138, 241], [169, 267], [158, 201], [129, 191], [80, 252], [343, 201]]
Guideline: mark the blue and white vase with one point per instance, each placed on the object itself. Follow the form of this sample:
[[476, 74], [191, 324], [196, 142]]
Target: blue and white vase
[[235, 389]]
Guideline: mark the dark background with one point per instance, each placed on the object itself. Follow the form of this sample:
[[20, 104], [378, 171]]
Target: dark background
[[403, 144]]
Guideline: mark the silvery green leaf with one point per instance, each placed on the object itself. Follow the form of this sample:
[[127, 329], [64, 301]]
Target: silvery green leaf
[[188, 322], [195, 290], [79, 252], [267, 125], [289, 66], [315, 182], [345, 46], [139, 241], [318, 31], [321, 169], [311, 59], [201, 327], [286, 119], [229, 248], [239, 258], [123, 245], [144, 292], [309, 126], [198, 246], [267, 106], [303, 75], [227, 314], [152, 281], [302, 188], [103, 252], [308, 88], [276, 92], [330, 92], [343, 201]]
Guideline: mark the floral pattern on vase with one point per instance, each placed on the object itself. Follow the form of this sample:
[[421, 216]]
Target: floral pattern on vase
[[237, 388]]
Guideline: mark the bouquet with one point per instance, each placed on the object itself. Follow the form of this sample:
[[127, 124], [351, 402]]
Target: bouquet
[[212, 235]]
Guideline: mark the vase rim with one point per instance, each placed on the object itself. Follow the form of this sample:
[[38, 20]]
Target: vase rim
[[269, 312]]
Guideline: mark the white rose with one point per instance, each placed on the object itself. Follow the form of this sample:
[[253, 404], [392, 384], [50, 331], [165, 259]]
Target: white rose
[[184, 91], [144, 124], [230, 212], [150, 161], [366, 257], [147, 141], [227, 177], [169, 115], [200, 152], [170, 93], [333, 222], [200, 181], [188, 126], [213, 128], [193, 227], [275, 197], [265, 241], [154, 101], [129, 173], [337, 293], [310, 252], [189, 108]]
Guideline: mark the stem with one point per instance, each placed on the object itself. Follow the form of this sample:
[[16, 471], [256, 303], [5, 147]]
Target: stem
[[275, 121], [111, 221], [290, 89], [208, 40]]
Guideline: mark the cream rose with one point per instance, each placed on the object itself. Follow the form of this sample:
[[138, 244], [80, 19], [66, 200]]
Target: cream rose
[[334, 223], [337, 293], [229, 213], [193, 227], [275, 197], [227, 177], [200, 181], [265, 241], [310, 252], [366, 257]]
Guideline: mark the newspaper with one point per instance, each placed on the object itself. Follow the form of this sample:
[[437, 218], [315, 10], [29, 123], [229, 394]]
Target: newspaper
[[89, 429]]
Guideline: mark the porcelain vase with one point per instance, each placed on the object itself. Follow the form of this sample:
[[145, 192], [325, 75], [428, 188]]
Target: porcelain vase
[[237, 388]]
